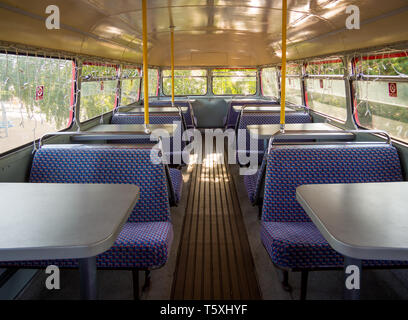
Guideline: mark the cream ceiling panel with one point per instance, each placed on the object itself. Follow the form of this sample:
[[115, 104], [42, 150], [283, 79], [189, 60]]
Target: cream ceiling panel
[[213, 32]]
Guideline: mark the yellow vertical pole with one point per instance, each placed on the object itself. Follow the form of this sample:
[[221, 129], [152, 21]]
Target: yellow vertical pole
[[145, 65], [172, 64], [283, 71]]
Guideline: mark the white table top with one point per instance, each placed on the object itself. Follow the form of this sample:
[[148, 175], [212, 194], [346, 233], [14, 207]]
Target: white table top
[[267, 131], [123, 131], [362, 221], [62, 221]]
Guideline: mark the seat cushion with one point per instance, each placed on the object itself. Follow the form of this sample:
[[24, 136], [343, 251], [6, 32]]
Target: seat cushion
[[139, 245], [300, 245], [177, 182]]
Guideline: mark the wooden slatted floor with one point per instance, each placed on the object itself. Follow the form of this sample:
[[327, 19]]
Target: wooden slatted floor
[[214, 259]]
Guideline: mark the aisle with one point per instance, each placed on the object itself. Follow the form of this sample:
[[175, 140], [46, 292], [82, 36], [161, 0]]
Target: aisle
[[214, 260]]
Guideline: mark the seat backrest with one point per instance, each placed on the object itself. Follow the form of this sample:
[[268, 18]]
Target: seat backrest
[[289, 167], [260, 180], [99, 164], [154, 119], [139, 119], [188, 115], [233, 115], [249, 118]]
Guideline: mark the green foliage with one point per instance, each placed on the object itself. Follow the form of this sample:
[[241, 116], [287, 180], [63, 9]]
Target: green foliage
[[234, 72], [130, 72], [384, 67], [293, 91], [98, 91], [294, 69], [98, 71], [373, 100], [130, 91], [225, 82], [270, 82], [325, 68], [186, 82], [331, 99], [97, 97], [153, 79], [234, 81]]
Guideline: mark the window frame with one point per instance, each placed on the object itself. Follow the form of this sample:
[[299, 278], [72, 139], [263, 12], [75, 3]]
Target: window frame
[[157, 88], [363, 77], [83, 80], [211, 75], [290, 77], [337, 77], [277, 74], [122, 77]]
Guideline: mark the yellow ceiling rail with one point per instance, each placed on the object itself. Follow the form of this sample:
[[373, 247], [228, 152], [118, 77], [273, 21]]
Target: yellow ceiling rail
[[172, 64], [283, 70], [145, 65]]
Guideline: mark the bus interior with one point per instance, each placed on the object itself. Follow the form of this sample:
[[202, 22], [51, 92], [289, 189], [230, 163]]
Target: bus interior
[[268, 141]]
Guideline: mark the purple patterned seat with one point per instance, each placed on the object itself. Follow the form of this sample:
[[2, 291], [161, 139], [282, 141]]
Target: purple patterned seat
[[248, 119], [300, 245], [143, 245], [188, 115], [154, 119], [139, 118], [145, 240], [231, 119], [177, 182], [289, 236], [254, 184]]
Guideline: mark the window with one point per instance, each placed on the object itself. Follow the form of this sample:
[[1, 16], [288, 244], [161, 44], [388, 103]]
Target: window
[[381, 93], [326, 89], [234, 81], [186, 82], [293, 84], [153, 83], [36, 98], [327, 96], [270, 86], [130, 90], [98, 91]]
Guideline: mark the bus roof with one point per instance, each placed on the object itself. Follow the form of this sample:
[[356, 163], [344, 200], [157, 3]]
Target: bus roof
[[208, 33]]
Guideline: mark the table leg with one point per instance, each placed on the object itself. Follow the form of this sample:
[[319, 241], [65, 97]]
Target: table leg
[[87, 269], [352, 278]]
